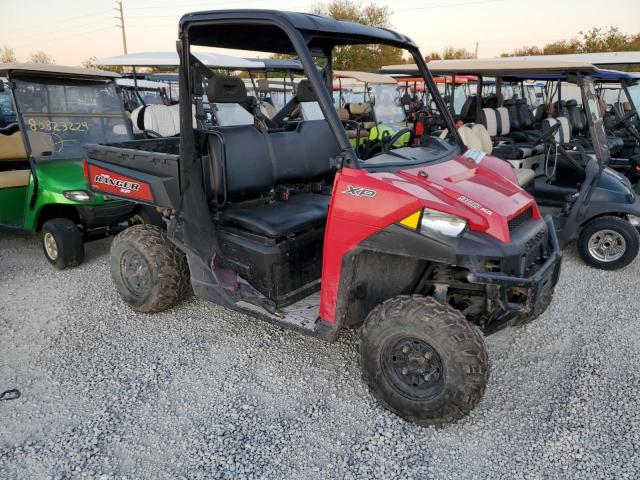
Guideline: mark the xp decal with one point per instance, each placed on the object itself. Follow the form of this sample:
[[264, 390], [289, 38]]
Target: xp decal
[[359, 191]]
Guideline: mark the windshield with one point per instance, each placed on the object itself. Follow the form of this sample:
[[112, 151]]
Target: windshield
[[150, 97], [634, 95], [386, 104], [60, 116], [7, 114]]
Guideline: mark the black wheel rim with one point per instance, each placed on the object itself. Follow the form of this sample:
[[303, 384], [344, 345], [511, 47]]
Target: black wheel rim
[[135, 273], [413, 367]]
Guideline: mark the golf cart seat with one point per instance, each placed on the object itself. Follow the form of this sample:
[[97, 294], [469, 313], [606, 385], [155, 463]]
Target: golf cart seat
[[497, 125], [563, 135], [11, 146], [14, 178], [247, 164], [478, 138], [577, 118], [308, 101], [162, 120]]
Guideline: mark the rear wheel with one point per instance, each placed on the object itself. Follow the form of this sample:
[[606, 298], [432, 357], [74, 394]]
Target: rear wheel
[[62, 243], [149, 272], [609, 243], [422, 360]]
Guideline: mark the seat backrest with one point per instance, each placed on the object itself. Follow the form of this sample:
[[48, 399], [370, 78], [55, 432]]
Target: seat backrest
[[496, 121], [311, 111], [343, 113], [11, 145], [512, 107], [490, 101], [563, 135], [468, 110], [360, 109], [247, 167], [486, 145], [525, 117], [255, 161], [227, 95], [469, 138], [267, 109], [231, 115], [540, 113], [161, 119], [576, 116]]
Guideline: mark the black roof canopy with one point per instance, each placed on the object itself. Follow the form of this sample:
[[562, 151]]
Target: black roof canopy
[[260, 30]]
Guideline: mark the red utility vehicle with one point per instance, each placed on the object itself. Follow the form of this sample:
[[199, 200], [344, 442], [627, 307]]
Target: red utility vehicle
[[425, 247]]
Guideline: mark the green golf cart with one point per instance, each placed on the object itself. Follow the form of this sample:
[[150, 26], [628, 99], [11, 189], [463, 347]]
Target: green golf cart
[[49, 112]]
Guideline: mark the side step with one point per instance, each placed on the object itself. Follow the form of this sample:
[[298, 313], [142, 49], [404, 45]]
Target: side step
[[301, 316]]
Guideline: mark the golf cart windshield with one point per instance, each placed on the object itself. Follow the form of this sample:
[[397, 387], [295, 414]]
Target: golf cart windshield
[[7, 113], [592, 109], [634, 95], [59, 116], [386, 104]]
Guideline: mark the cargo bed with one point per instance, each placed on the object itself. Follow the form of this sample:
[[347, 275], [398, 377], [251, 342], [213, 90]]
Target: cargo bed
[[144, 171]]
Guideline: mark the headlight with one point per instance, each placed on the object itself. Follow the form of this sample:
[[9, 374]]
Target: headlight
[[443, 223], [79, 195], [428, 221]]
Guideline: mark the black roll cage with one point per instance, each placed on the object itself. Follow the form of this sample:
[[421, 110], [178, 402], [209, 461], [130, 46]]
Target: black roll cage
[[300, 44]]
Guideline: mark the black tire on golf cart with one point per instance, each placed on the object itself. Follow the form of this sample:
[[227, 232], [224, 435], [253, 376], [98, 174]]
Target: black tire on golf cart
[[612, 235], [149, 272], [62, 243], [423, 360]]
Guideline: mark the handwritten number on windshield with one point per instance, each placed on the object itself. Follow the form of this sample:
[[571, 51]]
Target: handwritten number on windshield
[[57, 127]]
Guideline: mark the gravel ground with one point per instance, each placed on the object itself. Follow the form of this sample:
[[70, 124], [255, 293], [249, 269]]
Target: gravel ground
[[203, 392]]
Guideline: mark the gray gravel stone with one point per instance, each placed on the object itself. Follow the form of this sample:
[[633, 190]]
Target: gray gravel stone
[[204, 392]]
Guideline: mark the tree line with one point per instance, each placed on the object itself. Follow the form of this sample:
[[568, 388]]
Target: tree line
[[8, 55]]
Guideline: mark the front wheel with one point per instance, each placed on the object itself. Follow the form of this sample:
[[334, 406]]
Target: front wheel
[[423, 360], [609, 243], [62, 243], [149, 272]]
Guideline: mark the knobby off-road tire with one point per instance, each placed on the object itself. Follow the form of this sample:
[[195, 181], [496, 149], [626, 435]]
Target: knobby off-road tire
[[404, 329], [612, 229], [149, 272], [62, 243]]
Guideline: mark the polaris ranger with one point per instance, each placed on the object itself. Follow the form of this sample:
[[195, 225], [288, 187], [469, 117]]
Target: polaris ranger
[[424, 247]]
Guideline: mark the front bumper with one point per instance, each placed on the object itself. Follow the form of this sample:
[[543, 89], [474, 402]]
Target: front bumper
[[512, 298]]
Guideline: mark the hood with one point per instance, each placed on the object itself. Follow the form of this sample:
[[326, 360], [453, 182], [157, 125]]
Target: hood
[[484, 192]]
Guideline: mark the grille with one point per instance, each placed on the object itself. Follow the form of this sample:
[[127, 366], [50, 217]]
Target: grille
[[520, 219]]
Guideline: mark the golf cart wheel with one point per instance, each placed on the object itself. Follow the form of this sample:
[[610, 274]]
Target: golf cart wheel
[[609, 243], [62, 243], [423, 360], [149, 272]]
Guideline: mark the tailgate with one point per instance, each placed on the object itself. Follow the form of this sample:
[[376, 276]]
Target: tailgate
[[141, 170]]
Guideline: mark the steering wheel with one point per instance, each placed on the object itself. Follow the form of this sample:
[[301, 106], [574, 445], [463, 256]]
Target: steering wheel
[[388, 141], [623, 119], [547, 136]]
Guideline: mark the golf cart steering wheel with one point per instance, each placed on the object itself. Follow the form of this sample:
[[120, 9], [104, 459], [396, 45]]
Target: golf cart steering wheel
[[547, 136], [623, 120], [388, 141]]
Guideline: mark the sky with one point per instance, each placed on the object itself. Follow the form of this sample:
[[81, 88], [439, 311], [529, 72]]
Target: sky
[[74, 30]]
